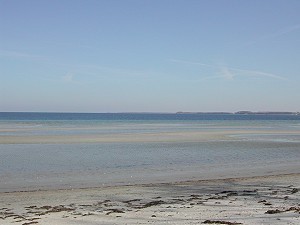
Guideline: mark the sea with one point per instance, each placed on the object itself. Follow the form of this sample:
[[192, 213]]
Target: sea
[[49, 151]]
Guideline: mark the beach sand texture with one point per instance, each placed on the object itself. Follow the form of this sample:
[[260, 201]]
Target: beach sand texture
[[257, 200]]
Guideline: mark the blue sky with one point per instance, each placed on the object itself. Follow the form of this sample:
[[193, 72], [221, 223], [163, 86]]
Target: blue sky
[[149, 56]]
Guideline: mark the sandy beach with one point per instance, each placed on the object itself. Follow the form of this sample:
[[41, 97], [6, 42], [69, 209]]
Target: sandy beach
[[142, 173], [256, 200]]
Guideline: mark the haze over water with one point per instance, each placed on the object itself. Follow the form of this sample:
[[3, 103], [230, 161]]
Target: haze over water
[[47, 151]]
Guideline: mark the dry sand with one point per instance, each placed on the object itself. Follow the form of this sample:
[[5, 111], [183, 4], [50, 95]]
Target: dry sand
[[256, 200]]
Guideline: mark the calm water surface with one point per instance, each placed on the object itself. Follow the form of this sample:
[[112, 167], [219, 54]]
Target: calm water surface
[[271, 145]]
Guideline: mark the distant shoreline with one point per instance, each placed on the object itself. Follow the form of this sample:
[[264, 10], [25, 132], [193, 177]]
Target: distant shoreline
[[244, 113], [179, 112]]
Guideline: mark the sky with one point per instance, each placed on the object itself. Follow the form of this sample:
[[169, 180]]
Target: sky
[[149, 55]]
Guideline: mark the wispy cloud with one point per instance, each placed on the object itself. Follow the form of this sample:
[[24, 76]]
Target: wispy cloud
[[119, 72], [68, 44], [16, 54], [99, 71], [68, 77], [227, 73], [276, 34], [230, 73], [189, 62], [254, 73]]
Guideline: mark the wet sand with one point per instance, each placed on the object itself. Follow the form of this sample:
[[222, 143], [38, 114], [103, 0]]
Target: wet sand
[[187, 136], [257, 200]]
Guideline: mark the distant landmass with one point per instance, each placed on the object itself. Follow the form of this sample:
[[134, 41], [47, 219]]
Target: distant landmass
[[268, 113], [244, 113]]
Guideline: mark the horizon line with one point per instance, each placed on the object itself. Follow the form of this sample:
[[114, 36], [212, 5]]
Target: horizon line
[[177, 112]]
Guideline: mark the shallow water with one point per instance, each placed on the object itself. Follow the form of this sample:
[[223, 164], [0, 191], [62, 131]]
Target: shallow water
[[241, 148]]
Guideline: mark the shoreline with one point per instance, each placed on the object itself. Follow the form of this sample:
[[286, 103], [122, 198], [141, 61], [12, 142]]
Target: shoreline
[[140, 178], [266, 199], [182, 182]]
